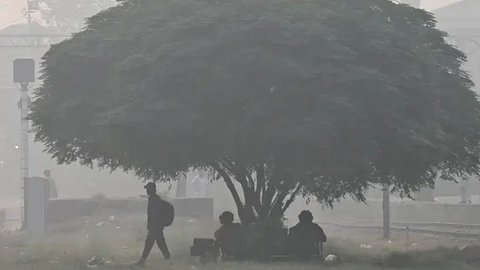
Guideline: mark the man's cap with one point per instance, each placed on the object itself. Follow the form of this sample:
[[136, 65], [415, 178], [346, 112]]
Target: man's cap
[[150, 185]]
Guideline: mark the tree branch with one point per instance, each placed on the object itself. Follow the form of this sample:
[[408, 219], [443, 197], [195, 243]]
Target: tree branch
[[250, 202], [268, 195], [277, 203], [231, 187], [250, 180], [260, 170], [292, 198]]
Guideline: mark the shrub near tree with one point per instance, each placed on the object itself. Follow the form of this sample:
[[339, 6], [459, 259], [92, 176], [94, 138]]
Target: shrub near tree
[[278, 98]]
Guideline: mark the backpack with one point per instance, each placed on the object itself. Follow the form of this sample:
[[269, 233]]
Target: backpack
[[167, 212]]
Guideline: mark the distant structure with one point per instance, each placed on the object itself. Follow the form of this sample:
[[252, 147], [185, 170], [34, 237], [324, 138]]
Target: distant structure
[[52, 186], [30, 36], [32, 41], [21, 41], [462, 21], [181, 191], [425, 195], [192, 185], [33, 6], [198, 184], [2, 218], [413, 3]]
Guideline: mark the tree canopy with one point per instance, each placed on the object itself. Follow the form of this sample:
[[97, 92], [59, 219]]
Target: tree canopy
[[313, 97]]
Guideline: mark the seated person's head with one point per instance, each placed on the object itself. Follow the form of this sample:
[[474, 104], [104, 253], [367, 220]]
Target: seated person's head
[[226, 218], [305, 216]]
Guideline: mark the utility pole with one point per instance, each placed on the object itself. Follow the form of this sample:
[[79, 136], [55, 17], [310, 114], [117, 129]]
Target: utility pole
[[386, 211], [23, 74], [32, 6], [24, 164]]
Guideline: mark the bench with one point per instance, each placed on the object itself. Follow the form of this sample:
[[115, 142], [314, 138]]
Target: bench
[[277, 249]]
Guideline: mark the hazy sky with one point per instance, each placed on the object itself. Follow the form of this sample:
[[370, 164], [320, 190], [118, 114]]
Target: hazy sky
[[11, 10]]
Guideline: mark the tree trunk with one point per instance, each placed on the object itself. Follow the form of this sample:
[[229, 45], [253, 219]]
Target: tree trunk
[[264, 200], [233, 191]]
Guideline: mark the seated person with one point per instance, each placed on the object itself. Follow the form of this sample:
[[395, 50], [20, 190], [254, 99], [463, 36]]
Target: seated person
[[230, 236], [305, 237]]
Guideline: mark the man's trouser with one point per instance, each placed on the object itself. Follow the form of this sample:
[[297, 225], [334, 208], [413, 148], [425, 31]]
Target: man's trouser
[[153, 237]]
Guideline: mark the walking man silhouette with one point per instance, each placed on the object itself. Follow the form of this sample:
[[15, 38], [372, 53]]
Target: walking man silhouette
[[155, 224]]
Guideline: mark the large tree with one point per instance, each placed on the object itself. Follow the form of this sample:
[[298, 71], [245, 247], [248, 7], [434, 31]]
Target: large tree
[[318, 98]]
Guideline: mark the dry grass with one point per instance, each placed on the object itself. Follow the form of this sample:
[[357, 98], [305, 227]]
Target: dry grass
[[119, 243]]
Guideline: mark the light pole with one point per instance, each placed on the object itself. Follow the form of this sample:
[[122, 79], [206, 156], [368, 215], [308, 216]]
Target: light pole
[[23, 74], [386, 211]]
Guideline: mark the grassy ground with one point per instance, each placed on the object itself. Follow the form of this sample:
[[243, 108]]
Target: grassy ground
[[118, 244]]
